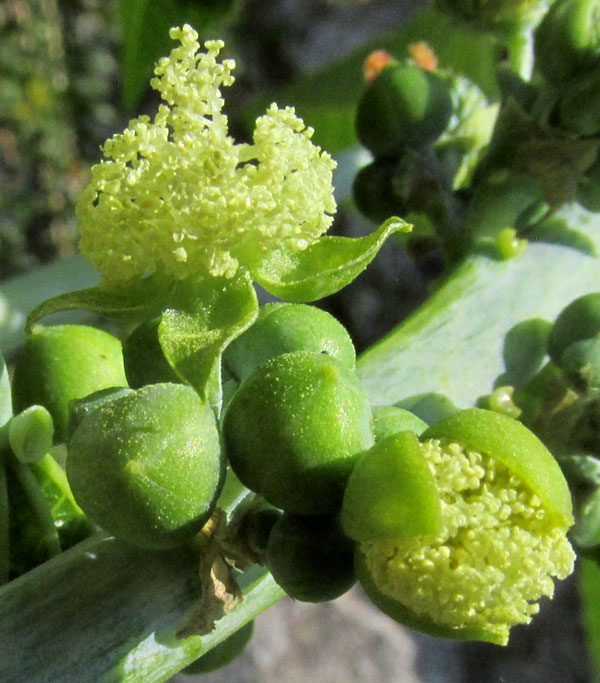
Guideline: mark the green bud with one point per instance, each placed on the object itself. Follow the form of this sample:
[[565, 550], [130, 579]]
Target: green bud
[[567, 39], [310, 558], [294, 428], [144, 360], [222, 654], [405, 106], [147, 466], [579, 320], [62, 363], [284, 328]]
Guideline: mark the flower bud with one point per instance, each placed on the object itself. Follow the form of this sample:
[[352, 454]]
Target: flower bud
[[405, 106]]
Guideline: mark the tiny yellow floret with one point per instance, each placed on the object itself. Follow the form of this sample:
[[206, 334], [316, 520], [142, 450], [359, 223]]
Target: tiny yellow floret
[[494, 558], [177, 195]]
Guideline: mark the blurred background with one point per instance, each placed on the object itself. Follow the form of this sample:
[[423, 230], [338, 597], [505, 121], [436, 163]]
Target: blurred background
[[72, 73]]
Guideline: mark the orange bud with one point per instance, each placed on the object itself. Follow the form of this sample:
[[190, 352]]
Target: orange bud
[[423, 55], [374, 64]]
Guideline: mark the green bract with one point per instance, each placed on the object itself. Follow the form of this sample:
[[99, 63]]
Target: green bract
[[62, 363], [405, 106], [310, 558], [147, 466], [283, 328], [294, 428], [500, 538]]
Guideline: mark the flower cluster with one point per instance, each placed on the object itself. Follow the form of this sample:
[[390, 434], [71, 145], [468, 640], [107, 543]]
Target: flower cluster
[[177, 195], [494, 557]]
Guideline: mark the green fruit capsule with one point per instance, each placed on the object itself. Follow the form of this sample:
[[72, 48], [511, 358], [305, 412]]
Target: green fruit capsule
[[147, 466], [285, 328], [293, 431], [579, 320], [62, 363], [581, 363], [498, 508], [222, 654], [310, 558], [405, 106], [388, 420]]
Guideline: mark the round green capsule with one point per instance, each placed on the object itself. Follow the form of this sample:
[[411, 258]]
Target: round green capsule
[[405, 106], [147, 466], [285, 328], [310, 558], [388, 420], [62, 363], [294, 428]]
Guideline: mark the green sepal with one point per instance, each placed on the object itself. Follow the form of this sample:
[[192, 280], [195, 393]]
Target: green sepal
[[324, 267], [30, 434], [398, 612], [509, 442], [5, 400], [140, 300], [206, 314], [391, 492]]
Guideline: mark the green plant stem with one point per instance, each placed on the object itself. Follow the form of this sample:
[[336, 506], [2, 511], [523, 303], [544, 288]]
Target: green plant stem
[[4, 518], [38, 503]]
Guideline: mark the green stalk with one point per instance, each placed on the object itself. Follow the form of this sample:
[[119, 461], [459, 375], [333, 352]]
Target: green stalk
[[38, 503], [4, 518]]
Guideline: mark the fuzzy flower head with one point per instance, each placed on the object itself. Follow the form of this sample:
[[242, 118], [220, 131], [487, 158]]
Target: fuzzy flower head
[[177, 195], [494, 557], [460, 537]]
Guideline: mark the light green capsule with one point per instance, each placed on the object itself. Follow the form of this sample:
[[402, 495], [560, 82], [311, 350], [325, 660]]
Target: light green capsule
[[147, 466], [294, 429], [62, 363]]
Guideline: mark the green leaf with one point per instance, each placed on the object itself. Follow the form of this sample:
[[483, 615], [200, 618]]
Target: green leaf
[[140, 300], [588, 575], [207, 313], [326, 266], [145, 27], [5, 400], [454, 344]]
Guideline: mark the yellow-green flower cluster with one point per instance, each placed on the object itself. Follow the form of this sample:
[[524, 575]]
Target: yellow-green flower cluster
[[493, 559], [177, 195]]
